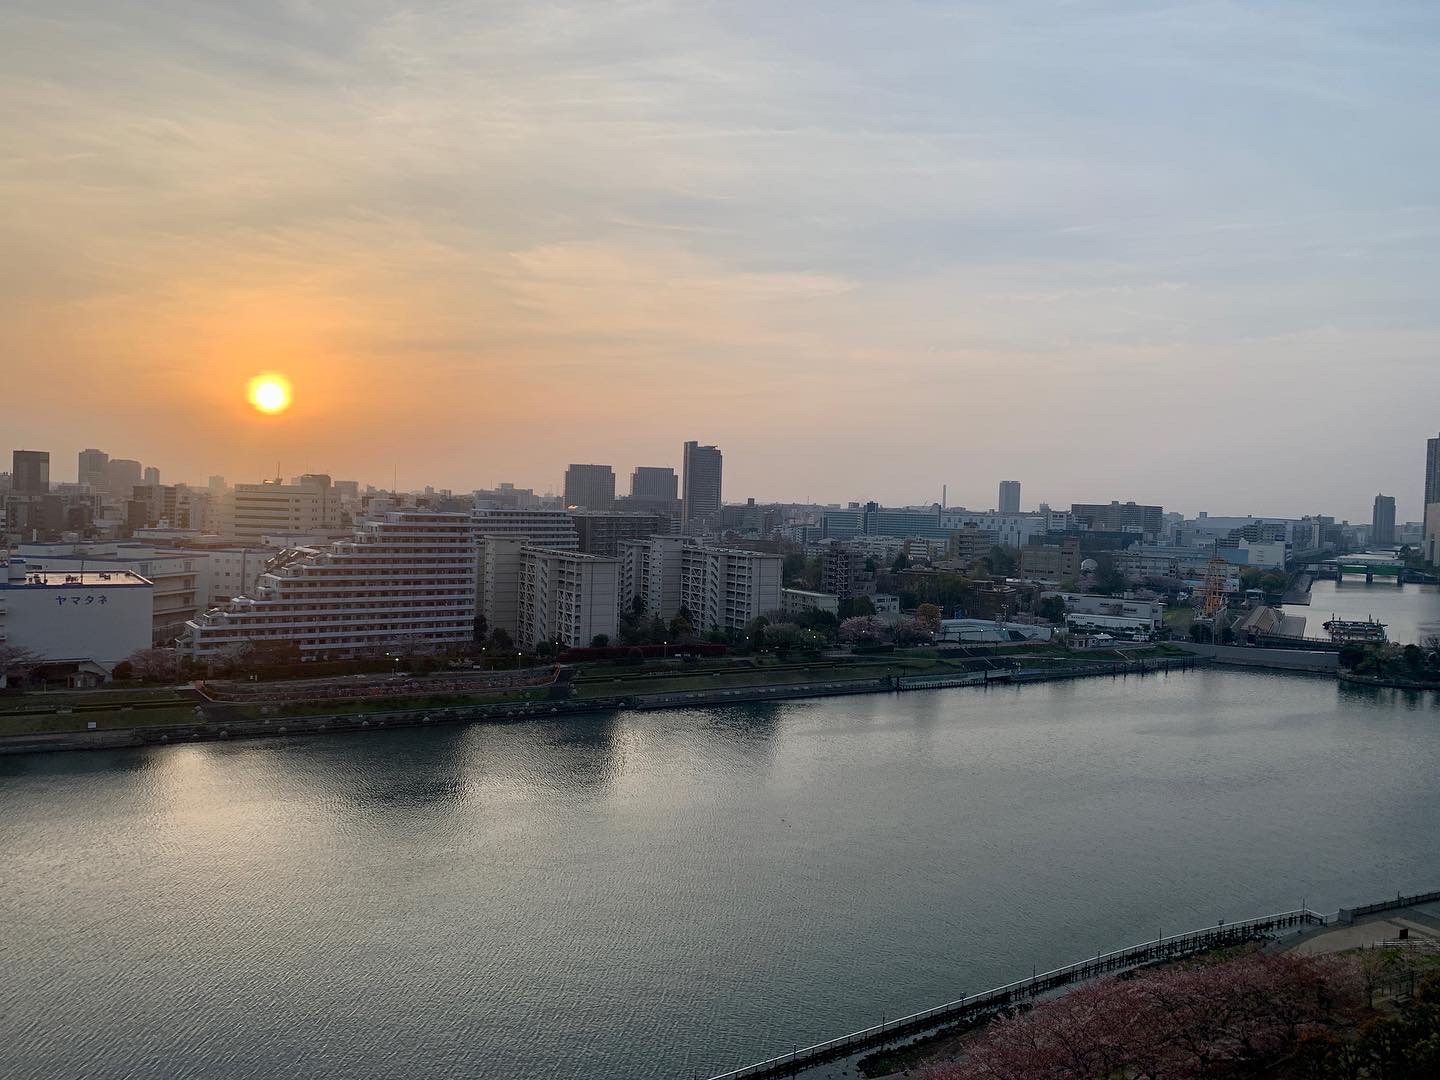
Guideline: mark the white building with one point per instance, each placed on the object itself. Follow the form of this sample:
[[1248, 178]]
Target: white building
[[1146, 612], [795, 601], [650, 569], [1011, 530], [540, 528], [567, 597], [405, 579], [250, 511], [726, 588], [176, 575], [93, 619]]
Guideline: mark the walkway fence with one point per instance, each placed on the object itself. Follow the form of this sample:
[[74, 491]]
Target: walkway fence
[[989, 1002], [1349, 915]]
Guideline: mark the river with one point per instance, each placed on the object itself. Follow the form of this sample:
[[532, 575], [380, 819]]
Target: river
[[661, 894], [1411, 613]]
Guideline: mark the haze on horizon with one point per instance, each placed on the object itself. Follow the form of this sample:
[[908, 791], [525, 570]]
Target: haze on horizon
[[1181, 253]]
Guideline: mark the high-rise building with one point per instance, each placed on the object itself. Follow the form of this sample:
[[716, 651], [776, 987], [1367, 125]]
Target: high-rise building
[[1382, 521], [30, 472], [590, 487], [1120, 517], [406, 579], [600, 532], [122, 474], [92, 468], [539, 528], [726, 588], [151, 476], [654, 484], [702, 485], [567, 597], [1009, 496], [1432, 470]]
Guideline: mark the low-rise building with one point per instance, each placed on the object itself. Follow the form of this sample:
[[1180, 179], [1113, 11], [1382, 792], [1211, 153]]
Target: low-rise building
[[796, 601], [89, 620], [1051, 562], [1149, 612]]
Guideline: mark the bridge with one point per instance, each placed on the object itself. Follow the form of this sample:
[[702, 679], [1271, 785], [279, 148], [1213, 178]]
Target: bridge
[[990, 1002], [1336, 569]]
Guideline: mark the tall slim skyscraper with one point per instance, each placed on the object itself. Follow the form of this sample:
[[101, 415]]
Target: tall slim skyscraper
[[1382, 521], [30, 472], [1432, 470], [652, 483], [1009, 496], [152, 475], [702, 479], [591, 487], [92, 468]]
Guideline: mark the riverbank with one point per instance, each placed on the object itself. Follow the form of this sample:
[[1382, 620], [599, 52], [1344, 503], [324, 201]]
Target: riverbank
[[184, 717], [1387, 681]]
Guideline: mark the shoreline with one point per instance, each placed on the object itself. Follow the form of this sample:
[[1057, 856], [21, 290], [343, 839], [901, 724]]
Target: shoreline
[[210, 729]]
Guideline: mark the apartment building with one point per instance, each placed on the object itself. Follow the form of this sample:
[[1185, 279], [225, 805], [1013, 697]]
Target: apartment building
[[567, 597], [405, 579], [541, 528], [726, 588], [308, 507]]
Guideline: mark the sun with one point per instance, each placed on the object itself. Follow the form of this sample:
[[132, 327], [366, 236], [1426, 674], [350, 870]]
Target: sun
[[270, 393]]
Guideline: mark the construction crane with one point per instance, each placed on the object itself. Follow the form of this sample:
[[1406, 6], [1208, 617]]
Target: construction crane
[[1212, 592]]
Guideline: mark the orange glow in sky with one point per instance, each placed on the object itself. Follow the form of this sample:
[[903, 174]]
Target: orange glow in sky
[[270, 393]]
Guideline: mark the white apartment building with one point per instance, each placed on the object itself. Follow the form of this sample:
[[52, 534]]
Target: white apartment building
[[93, 619], [250, 511], [567, 597], [405, 579], [1011, 530], [650, 569], [540, 528], [726, 588]]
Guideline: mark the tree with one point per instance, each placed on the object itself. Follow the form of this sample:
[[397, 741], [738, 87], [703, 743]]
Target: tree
[[902, 562], [155, 665], [1000, 560], [17, 662], [600, 641], [1108, 580], [862, 630], [911, 632], [928, 616], [855, 605], [544, 648], [500, 641], [1052, 608], [681, 628], [782, 637]]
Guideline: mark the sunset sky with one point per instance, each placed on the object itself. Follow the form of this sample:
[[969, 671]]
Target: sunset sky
[[1177, 252]]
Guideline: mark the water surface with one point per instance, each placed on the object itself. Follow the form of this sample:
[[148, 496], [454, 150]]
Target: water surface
[[659, 894]]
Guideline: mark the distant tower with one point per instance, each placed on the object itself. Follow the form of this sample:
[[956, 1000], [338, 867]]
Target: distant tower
[[92, 468], [1382, 521], [702, 483], [590, 486], [30, 472], [1009, 496], [152, 475]]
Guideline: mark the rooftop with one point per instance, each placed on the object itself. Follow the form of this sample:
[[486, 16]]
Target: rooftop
[[64, 579]]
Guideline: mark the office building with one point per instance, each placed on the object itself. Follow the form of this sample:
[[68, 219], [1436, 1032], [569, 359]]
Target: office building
[[566, 597], [30, 472], [91, 471], [1120, 517], [1051, 562], [1009, 497], [654, 484], [1432, 470], [702, 468], [302, 510], [122, 474], [86, 622], [590, 487], [600, 532], [151, 476], [1382, 521], [726, 588], [404, 580]]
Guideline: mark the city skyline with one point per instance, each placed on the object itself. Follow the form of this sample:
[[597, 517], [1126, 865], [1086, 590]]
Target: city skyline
[[910, 251]]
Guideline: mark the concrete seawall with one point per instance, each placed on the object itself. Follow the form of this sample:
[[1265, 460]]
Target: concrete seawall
[[1325, 663]]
